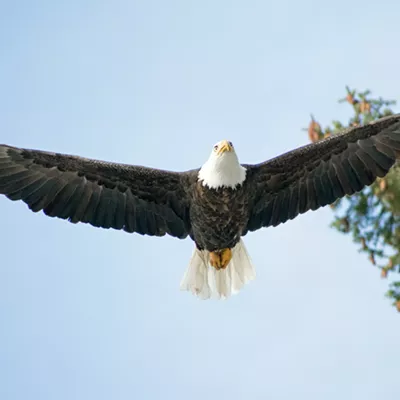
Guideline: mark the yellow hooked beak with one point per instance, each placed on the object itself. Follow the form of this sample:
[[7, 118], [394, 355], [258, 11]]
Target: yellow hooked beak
[[225, 146]]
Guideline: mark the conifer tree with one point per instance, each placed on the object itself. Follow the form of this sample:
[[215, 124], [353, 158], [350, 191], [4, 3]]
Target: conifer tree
[[371, 217]]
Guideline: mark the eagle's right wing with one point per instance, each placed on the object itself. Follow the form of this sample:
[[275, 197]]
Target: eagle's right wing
[[315, 175], [107, 195]]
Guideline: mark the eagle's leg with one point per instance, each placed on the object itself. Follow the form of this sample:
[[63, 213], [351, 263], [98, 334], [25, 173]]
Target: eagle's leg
[[219, 259]]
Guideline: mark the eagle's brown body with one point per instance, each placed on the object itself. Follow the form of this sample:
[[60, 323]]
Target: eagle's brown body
[[219, 216]]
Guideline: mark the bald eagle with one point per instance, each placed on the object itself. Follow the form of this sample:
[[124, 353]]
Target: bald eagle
[[215, 205]]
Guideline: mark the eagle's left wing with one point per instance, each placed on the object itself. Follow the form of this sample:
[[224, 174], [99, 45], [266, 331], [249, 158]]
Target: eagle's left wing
[[103, 194], [320, 173]]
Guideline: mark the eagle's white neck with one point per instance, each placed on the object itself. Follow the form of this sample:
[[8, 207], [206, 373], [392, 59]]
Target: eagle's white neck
[[222, 171]]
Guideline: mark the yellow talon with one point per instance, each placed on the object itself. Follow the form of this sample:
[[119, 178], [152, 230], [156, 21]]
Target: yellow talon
[[220, 259]]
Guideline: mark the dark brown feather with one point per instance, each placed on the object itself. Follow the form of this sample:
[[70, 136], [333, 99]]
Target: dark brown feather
[[107, 195], [318, 174]]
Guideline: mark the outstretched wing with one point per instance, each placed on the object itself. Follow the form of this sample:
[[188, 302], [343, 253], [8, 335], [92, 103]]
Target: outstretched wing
[[320, 173], [107, 195]]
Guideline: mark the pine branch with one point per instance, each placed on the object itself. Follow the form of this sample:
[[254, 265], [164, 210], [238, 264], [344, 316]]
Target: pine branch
[[372, 216]]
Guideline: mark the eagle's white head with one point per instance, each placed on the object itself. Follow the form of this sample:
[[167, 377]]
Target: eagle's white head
[[222, 169]]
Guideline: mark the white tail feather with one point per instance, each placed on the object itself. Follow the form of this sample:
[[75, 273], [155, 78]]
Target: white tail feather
[[205, 281]]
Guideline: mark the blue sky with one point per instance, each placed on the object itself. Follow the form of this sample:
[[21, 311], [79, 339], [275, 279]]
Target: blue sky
[[97, 314]]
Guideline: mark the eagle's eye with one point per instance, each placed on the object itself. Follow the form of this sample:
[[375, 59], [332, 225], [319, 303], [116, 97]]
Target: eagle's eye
[[216, 147], [231, 144]]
